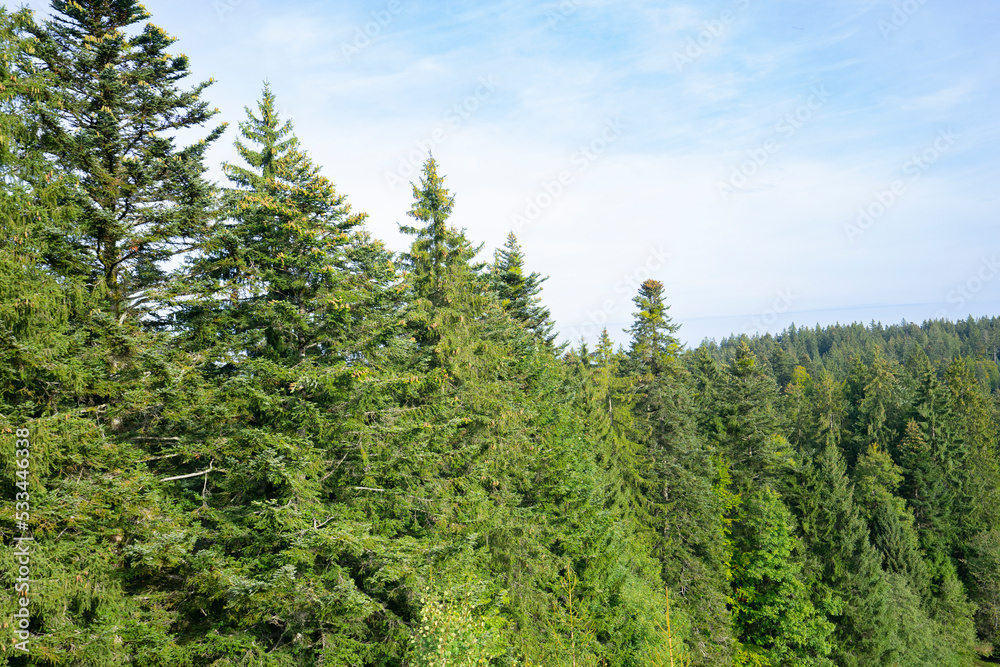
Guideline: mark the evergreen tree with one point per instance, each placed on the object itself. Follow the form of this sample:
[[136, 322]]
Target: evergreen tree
[[750, 436], [707, 383], [518, 292], [268, 327], [983, 563], [877, 481], [975, 433], [977, 498], [652, 331], [773, 617], [110, 116], [281, 261], [685, 512], [799, 410], [926, 492], [875, 395], [76, 359], [828, 397], [849, 568], [440, 254]]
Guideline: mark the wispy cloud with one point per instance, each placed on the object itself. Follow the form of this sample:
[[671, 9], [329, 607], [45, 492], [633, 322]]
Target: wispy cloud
[[565, 67]]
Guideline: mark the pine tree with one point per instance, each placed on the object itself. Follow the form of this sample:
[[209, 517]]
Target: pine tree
[[518, 292]]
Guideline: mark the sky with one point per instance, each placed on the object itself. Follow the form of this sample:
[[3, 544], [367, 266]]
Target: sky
[[769, 162]]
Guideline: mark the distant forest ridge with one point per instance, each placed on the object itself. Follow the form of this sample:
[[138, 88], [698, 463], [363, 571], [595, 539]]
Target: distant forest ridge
[[834, 347]]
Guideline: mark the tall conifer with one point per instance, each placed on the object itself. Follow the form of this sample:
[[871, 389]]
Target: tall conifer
[[518, 291], [110, 117]]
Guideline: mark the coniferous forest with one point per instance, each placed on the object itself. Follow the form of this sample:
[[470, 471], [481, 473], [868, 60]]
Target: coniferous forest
[[258, 437]]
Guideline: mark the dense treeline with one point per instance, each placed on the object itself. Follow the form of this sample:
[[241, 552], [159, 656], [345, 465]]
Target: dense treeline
[[835, 348], [258, 437]]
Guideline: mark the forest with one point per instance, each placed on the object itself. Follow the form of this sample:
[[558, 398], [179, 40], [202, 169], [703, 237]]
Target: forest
[[238, 430]]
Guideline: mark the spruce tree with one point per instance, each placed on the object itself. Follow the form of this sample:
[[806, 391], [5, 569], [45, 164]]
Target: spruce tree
[[877, 480], [439, 252], [874, 394], [926, 491], [75, 356], [848, 566], [749, 433], [773, 618], [685, 512], [518, 291], [269, 327], [281, 261], [653, 342], [109, 118]]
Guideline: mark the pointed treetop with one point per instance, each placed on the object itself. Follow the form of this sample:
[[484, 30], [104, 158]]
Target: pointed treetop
[[653, 340], [518, 292], [432, 203], [439, 250], [268, 133], [605, 348]]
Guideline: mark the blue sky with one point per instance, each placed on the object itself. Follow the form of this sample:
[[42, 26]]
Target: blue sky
[[768, 161]]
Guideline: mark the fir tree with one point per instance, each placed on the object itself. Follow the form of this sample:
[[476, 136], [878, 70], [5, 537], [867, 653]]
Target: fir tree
[[439, 252], [110, 116], [653, 342], [848, 566], [518, 292]]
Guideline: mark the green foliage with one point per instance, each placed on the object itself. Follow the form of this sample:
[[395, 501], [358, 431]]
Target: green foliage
[[108, 117], [300, 449], [455, 632], [747, 423], [773, 618], [440, 254], [518, 291], [849, 583], [652, 331]]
